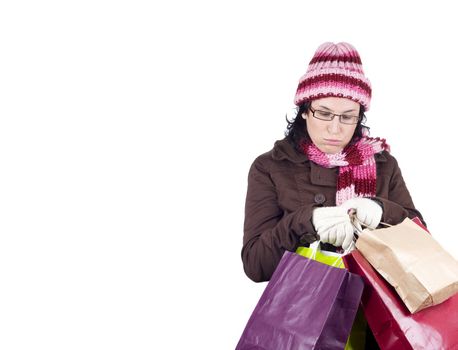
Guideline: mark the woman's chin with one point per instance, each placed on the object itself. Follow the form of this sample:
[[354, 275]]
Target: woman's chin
[[330, 149]]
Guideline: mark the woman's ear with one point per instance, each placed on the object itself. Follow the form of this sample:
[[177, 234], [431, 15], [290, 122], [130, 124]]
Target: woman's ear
[[304, 115]]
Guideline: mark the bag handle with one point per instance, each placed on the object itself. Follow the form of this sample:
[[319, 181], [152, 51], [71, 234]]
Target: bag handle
[[315, 246], [357, 224]]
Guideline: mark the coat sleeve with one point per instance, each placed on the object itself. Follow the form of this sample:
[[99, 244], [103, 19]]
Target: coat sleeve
[[268, 232], [399, 204]]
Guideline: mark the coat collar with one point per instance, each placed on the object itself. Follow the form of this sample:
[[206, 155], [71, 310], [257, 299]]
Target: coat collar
[[380, 157], [284, 150]]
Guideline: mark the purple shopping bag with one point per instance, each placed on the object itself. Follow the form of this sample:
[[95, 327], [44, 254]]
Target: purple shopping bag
[[306, 305]]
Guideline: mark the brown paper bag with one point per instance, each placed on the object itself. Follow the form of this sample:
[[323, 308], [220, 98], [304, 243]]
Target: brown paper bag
[[420, 270]]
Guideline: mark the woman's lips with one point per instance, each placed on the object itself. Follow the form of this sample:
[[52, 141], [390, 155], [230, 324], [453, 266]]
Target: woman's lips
[[332, 141]]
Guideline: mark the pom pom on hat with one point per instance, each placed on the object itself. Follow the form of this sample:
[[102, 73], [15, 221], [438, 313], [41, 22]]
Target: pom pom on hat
[[335, 70]]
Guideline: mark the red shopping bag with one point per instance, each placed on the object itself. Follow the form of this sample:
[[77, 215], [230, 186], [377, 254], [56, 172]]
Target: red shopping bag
[[417, 220], [393, 326]]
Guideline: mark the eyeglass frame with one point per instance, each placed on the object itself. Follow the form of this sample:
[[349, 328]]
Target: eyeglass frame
[[357, 117]]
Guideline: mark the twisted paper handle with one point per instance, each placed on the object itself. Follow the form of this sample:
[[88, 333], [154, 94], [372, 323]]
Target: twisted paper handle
[[357, 224]]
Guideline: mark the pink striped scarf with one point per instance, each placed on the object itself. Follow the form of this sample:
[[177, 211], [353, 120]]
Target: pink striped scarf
[[357, 170]]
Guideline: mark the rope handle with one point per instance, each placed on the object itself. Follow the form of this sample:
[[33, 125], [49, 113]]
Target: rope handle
[[357, 224]]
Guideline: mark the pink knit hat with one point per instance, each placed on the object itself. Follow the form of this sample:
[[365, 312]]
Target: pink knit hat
[[335, 70]]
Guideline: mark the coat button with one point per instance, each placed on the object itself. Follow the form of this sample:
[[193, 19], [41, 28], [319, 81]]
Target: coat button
[[320, 198]]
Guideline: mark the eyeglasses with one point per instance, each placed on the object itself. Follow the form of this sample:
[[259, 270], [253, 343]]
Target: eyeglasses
[[328, 116]]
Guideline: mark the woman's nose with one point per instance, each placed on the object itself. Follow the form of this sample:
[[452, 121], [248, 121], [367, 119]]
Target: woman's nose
[[334, 125]]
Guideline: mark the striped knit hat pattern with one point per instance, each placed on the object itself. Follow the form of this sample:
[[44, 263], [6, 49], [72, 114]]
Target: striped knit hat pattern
[[335, 70]]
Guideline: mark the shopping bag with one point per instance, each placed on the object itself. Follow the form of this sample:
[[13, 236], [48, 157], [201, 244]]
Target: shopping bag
[[417, 220], [315, 253], [393, 326], [306, 305], [420, 270], [357, 337]]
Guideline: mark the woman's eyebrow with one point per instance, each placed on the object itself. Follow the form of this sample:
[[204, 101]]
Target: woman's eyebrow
[[350, 110]]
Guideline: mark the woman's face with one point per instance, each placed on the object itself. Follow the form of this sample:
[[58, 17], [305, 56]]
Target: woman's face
[[331, 136]]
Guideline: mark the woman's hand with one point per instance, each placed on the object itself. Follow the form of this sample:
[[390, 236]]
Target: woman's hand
[[368, 211], [333, 225]]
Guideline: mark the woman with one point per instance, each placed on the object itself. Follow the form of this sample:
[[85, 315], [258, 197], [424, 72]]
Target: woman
[[303, 188]]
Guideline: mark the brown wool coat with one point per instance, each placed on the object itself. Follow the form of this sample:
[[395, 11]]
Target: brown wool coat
[[283, 189]]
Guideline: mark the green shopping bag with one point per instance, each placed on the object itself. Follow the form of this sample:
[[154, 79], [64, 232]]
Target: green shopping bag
[[357, 338], [315, 253]]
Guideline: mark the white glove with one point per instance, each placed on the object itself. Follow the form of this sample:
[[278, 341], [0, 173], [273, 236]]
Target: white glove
[[368, 212], [326, 217], [334, 226], [340, 235]]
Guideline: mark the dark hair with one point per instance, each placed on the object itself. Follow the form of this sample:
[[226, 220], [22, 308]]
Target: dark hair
[[296, 130]]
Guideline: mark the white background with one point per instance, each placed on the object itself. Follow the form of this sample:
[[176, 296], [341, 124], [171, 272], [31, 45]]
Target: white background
[[127, 131]]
